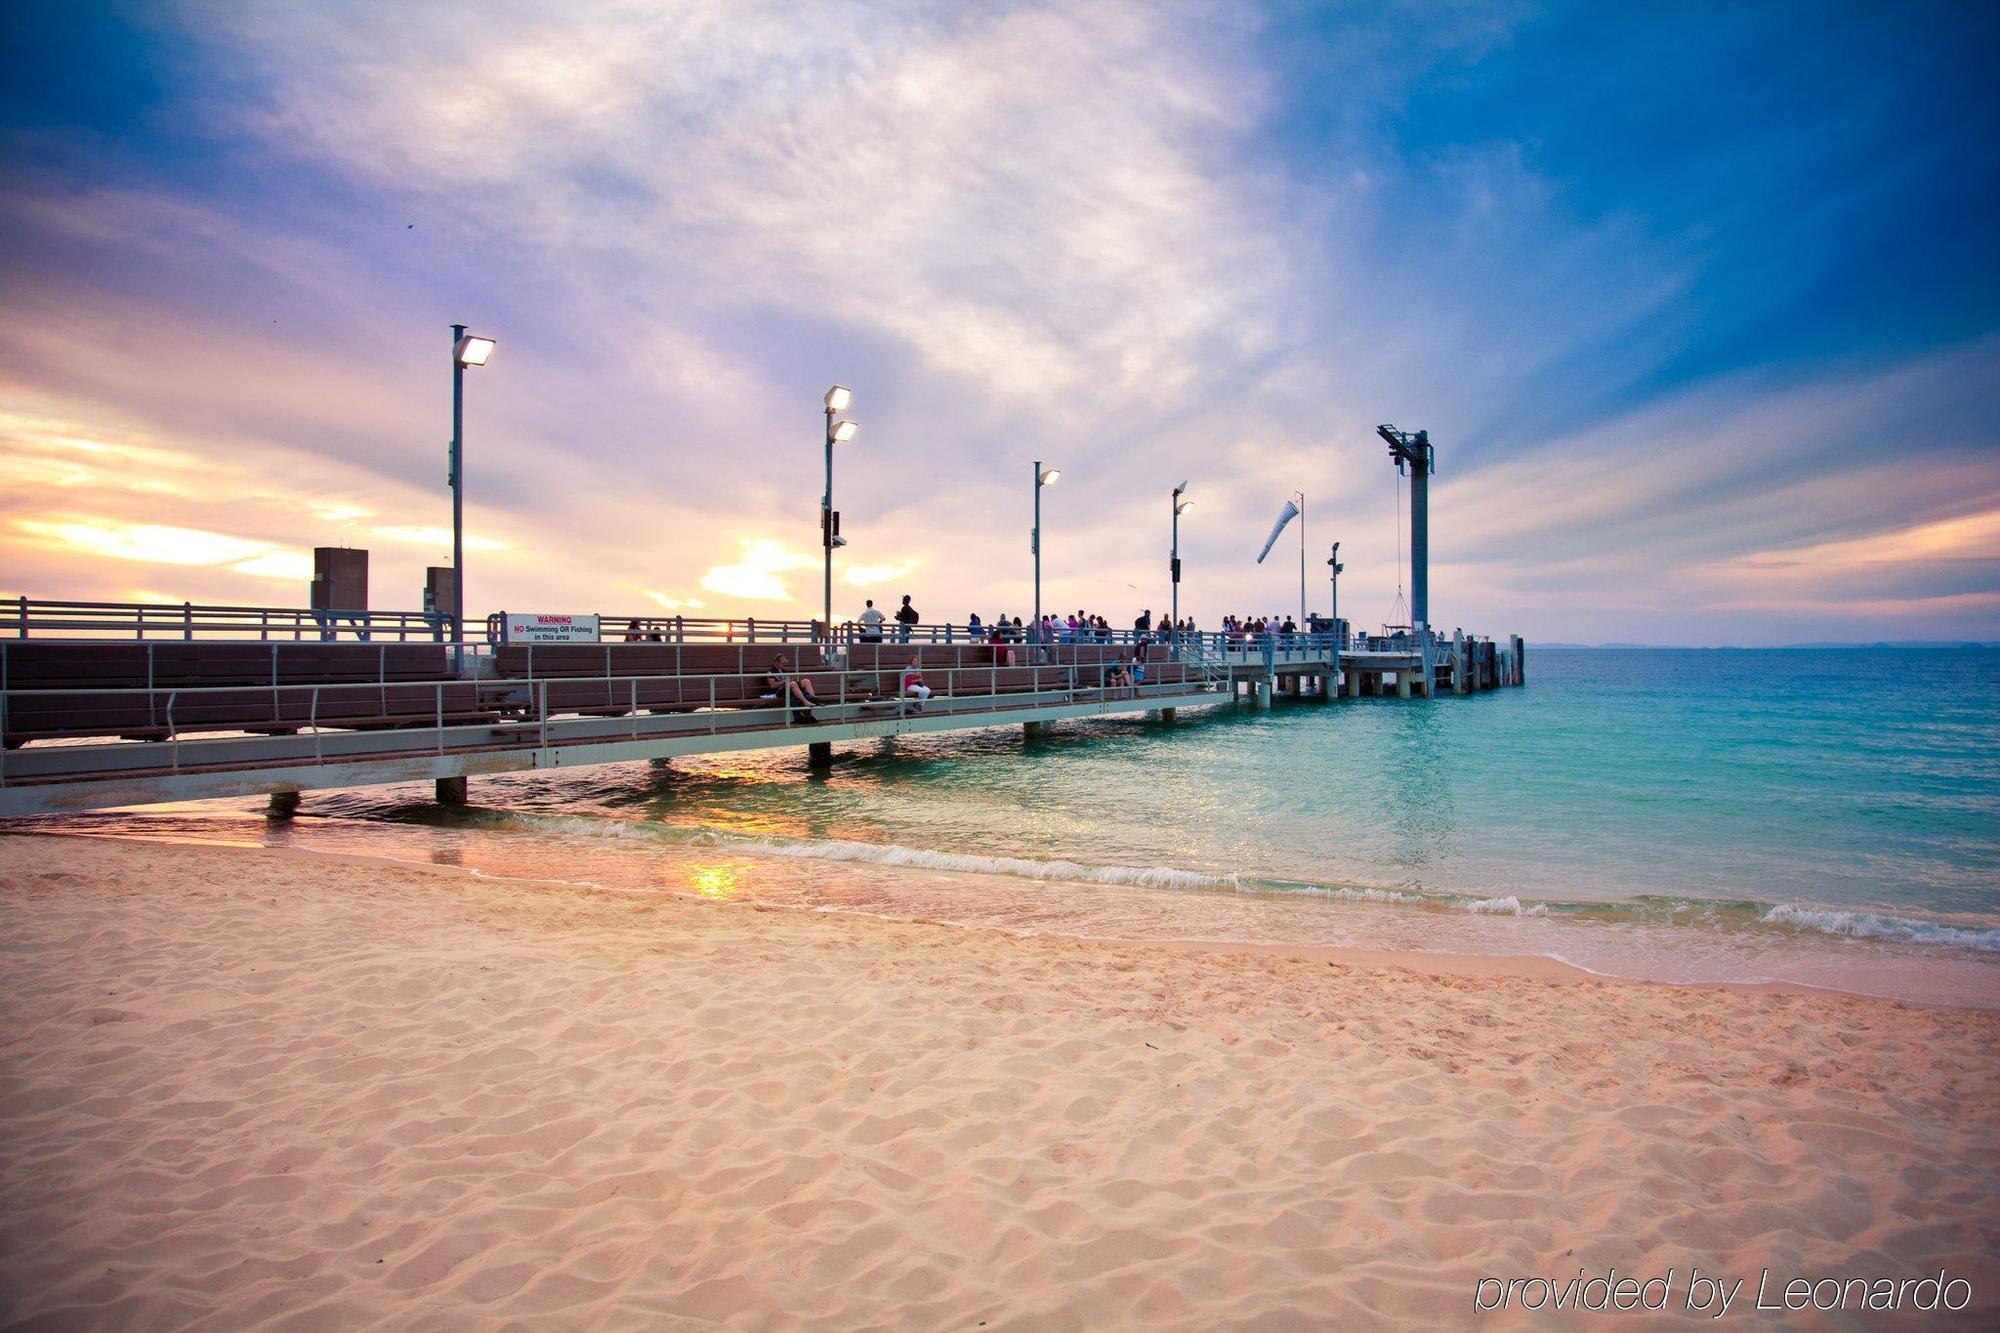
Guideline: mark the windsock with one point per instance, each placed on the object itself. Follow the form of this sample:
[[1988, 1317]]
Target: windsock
[[1290, 512]]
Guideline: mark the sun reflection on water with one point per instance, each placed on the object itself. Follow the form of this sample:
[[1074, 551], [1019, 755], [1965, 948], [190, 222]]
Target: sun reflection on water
[[719, 883]]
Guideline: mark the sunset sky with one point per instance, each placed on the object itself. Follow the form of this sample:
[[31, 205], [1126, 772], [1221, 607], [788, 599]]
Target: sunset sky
[[1698, 303]]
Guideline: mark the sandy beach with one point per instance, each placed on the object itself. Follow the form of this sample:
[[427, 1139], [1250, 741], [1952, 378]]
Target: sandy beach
[[246, 1088]]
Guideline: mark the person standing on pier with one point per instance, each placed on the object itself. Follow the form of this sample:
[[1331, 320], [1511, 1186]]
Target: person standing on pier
[[906, 616], [871, 623]]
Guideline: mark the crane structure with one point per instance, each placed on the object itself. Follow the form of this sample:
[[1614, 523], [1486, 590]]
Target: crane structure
[[1412, 453]]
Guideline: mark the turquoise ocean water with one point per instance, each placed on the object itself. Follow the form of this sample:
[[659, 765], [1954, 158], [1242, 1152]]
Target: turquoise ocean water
[[1827, 817]]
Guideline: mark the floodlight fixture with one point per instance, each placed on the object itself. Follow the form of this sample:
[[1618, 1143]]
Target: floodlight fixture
[[472, 350]]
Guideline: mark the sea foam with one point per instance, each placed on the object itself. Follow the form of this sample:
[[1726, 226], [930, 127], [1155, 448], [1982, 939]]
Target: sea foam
[[889, 854], [1875, 925], [1507, 906]]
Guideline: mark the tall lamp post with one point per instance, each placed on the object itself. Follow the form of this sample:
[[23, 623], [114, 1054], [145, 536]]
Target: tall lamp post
[[1043, 477], [1333, 567], [1174, 561], [466, 350], [837, 400]]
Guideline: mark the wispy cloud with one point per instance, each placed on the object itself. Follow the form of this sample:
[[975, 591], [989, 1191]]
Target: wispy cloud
[[1147, 242]]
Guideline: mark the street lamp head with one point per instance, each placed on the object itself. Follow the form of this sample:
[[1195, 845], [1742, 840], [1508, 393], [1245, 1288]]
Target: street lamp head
[[843, 431], [1183, 506], [472, 350], [1050, 476], [837, 399]]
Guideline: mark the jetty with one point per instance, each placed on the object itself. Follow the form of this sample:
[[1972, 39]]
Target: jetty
[[117, 704]]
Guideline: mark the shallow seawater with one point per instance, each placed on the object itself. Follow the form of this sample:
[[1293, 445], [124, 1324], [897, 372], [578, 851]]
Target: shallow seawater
[[1826, 817]]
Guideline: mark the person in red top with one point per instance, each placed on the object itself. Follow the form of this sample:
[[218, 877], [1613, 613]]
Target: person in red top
[[913, 683]]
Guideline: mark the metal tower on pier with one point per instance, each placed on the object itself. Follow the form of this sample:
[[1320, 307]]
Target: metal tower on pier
[[1413, 452]]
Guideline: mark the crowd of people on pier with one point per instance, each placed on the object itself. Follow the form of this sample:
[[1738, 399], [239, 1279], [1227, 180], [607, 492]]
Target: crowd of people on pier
[[1078, 626]]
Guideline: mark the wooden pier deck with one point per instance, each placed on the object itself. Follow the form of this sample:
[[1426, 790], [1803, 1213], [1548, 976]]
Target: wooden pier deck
[[106, 712]]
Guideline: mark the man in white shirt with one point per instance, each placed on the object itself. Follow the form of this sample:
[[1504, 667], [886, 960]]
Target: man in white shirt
[[871, 623]]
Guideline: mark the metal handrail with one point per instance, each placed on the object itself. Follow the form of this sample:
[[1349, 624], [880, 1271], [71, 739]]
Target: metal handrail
[[505, 683], [51, 618], [677, 630], [277, 648], [1075, 684]]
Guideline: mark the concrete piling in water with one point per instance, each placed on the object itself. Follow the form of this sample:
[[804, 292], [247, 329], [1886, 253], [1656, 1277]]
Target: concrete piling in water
[[284, 802], [1031, 730], [450, 791], [819, 754]]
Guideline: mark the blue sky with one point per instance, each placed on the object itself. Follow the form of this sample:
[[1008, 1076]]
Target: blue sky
[[1698, 301]]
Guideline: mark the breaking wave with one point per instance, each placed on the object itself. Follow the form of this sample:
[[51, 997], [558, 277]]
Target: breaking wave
[[1878, 926], [1643, 909]]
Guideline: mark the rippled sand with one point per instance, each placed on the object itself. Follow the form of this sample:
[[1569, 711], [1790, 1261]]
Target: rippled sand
[[244, 1087]]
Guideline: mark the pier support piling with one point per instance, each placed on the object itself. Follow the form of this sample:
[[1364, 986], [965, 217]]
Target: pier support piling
[[450, 791], [819, 754], [284, 803], [1264, 693], [1402, 684], [1031, 731], [1167, 715]]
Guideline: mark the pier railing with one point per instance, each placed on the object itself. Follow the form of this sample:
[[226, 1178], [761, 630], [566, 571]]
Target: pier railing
[[695, 629], [45, 618], [348, 721], [36, 617]]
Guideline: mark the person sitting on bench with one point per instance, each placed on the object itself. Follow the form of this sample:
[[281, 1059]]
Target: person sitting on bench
[[913, 683], [782, 684]]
